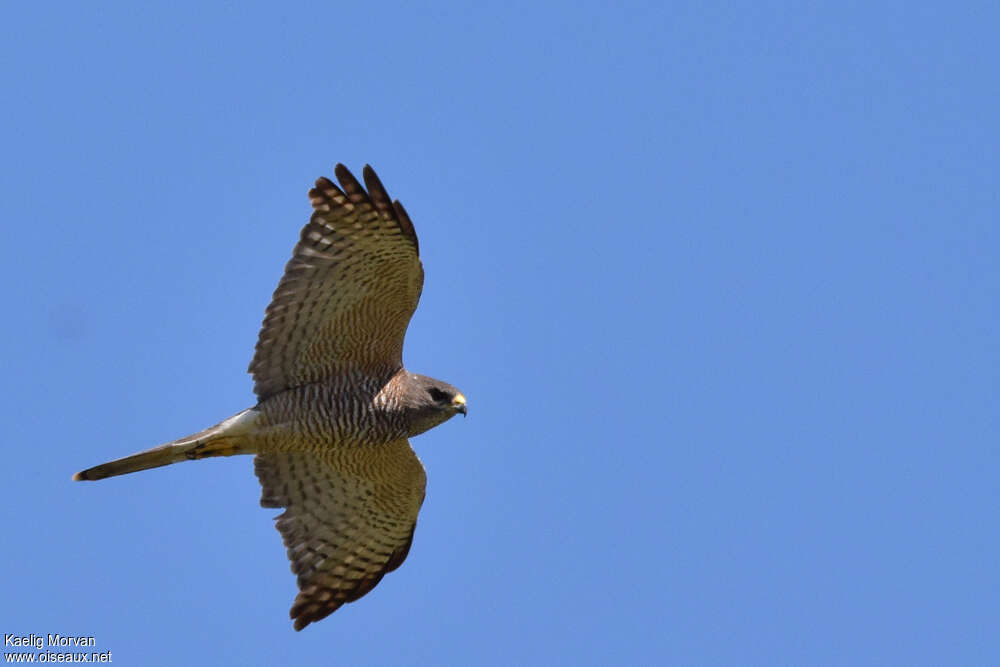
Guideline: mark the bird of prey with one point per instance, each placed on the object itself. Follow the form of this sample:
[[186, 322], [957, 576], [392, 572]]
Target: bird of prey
[[335, 405]]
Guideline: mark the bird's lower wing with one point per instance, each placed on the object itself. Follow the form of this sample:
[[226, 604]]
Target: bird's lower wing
[[349, 518]]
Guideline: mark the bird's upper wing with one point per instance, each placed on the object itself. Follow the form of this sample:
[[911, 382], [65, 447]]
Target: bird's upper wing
[[348, 292], [349, 518]]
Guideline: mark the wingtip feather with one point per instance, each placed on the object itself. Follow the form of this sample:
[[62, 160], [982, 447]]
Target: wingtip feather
[[377, 192]]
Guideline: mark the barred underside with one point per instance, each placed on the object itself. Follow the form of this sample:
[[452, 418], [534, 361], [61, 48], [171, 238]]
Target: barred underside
[[348, 291], [349, 518]]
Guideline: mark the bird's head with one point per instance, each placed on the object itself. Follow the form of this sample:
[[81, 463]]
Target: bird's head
[[430, 402]]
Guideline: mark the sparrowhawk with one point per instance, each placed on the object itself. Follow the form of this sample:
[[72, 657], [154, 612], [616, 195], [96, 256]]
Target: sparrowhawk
[[335, 405]]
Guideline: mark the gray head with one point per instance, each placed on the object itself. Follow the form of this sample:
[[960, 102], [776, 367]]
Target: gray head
[[430, 402]]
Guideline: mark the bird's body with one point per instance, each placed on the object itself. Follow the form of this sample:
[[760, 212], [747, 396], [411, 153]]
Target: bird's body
[[336, 406]]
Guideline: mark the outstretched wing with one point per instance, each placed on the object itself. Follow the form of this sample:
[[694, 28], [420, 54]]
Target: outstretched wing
[[348, 292], [349, 518]]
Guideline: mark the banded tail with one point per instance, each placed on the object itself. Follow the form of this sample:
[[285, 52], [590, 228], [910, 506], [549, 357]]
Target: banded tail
[[223, 439]]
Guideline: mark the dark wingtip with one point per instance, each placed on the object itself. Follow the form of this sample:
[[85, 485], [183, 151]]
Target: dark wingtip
[[373, 193], [304, 611], [369, 175], [376, 191], [350, 185], [324, 183], [81, 476], [406, 224], [345, 177]]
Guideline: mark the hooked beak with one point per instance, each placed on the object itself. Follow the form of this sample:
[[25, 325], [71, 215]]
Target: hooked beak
[[458, 403]]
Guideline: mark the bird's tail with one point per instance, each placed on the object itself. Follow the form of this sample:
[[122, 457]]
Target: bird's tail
[[225, 439]]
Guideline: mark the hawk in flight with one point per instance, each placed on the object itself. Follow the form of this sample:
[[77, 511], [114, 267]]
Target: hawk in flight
[[335, 405]]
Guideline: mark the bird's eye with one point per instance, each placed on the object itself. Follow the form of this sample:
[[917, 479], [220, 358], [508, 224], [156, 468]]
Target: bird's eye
[[437, 394]]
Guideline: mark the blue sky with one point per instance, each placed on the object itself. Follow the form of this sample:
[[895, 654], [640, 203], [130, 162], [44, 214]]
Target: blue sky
[[720, 284]]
